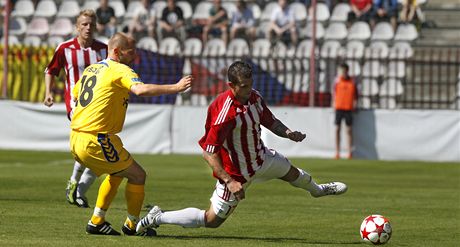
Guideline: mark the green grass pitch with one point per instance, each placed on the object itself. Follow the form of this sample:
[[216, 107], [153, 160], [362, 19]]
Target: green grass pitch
[[421, 199]]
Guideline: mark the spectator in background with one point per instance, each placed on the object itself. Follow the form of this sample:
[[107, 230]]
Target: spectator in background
[[282, 24], [384, 10], [345, 101], [217, 22], [172, 22], [106, 20], [361, 10], [243, 21], [409, 9], [144, 21]]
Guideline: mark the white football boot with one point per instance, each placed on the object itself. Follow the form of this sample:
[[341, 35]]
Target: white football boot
[[149, 220]]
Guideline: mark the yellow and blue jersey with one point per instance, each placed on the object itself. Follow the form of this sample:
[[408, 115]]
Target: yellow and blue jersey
[[102, 95]]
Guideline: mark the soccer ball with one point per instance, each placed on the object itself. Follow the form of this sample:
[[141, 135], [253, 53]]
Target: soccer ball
[[375, 229]]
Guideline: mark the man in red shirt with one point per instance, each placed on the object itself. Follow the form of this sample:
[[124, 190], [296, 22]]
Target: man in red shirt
[[345, 95], [237, 155], [74, 56], [360, 10]]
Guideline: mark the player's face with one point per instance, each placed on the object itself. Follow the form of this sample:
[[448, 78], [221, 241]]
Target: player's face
[[128, 53], [242, 90], [86, 27]]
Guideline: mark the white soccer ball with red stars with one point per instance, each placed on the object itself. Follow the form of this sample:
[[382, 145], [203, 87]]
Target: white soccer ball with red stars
[[376, 229]]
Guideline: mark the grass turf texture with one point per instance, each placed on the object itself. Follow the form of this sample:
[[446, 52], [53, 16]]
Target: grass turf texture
[[421, 199]]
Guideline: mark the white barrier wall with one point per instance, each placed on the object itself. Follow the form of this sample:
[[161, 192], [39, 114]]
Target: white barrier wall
[[379, 134]]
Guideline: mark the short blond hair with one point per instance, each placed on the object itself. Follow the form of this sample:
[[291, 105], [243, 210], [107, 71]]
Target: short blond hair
[[89, 13]]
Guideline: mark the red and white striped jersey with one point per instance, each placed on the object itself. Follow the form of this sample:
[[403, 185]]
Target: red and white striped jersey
[[233, 130], [74, 59]]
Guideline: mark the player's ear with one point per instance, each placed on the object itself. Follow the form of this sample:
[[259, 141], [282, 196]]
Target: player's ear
[[230, 84]]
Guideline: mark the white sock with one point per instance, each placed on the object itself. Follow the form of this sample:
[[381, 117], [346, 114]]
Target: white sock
[[305, 181], [188, 217], [77, 171], [86, 180]]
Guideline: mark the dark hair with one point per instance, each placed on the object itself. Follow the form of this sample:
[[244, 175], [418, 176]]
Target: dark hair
[[239, 70], [344, 66]]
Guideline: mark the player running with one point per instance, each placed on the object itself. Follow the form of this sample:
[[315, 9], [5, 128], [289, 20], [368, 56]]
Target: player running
[[74, 56], [102, 96], [237, 155]]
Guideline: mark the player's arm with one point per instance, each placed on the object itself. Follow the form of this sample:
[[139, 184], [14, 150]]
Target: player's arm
[[141, 89], [215, 162], [49, 85], [281, 130]]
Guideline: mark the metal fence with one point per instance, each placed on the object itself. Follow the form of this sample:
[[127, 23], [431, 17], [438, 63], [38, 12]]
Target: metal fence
[[420, 78]]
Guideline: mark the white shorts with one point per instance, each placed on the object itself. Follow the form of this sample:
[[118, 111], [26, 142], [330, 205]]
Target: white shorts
[[275, 166]]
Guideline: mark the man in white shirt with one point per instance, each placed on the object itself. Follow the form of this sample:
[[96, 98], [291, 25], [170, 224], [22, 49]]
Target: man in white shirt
[[282, 23]]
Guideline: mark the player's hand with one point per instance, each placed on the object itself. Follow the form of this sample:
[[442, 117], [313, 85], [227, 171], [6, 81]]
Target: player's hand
[[236, 189], [296, 136], [184, 83], [49, 100]]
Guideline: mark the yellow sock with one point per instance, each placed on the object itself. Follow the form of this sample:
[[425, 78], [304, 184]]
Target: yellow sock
[[107, 192], [134, 194]]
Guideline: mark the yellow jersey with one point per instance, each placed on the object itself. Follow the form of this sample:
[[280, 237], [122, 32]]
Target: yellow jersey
[[102, 95]]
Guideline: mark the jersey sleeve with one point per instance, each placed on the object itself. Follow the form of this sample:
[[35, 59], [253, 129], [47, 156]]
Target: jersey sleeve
[[216, 133], [128, 77], [57, 62], [267, 117]]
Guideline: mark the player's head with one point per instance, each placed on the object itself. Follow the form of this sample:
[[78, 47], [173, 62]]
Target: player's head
[[343, 69], [122, 48], [86, 24], [240, 77]]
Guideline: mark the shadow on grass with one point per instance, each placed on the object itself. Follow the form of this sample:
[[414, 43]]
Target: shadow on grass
[[266, 239]]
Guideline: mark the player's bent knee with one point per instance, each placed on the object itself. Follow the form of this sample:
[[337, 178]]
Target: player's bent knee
[[212, 220]]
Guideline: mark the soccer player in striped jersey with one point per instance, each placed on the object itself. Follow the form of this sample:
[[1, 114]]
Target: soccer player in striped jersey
[[74, 56], [102, 96], [233, 148]]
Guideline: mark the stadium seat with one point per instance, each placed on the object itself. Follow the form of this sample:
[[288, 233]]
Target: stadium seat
[[340, 12], [261, 29], [300, 12], [406, 32], [158, 6], [401, 50], [336, 31], [192, 47], [307, 32], [373, 69], [354, 49], [169, 46], [268, 10], [396, 69], [237, 48], [46, 9], [322, 13], [201, 10], [369, 87], [304, 49], [261, 48], [214, 47], [12, 40], [355, 67], [256, 12], [359, 31], [391, 87], [38, 26], [68, 9], [377, 49], [54, 40], [32, 41], [23, 8], [187, 9], [331, 49], [147, 43], [119, 9], [18, 26], [383, 31], [61, 27], [131, 10], [230, 7]]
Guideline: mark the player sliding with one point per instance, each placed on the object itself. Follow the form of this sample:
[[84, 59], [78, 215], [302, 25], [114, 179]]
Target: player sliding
[[234, 150], [103, 93]]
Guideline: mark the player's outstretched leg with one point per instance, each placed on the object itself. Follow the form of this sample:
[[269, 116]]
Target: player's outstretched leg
[[306, 182], [86, 180], [188, 217]]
